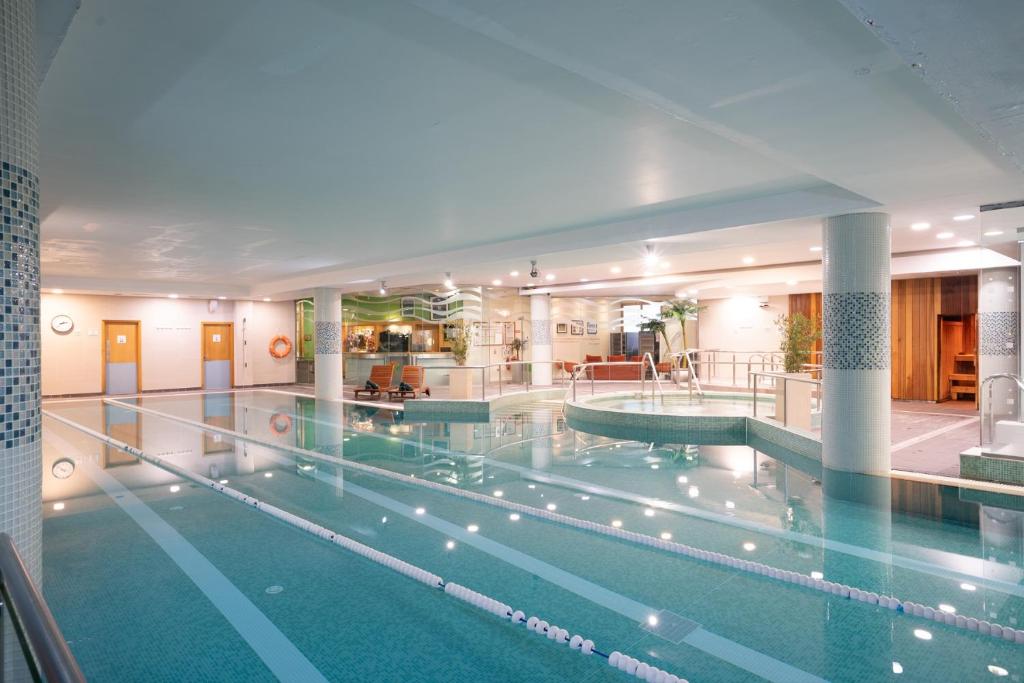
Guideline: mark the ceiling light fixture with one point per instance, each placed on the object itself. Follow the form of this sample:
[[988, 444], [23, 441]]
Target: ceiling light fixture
[[791, 282], [222, 298], [944, 235], [266, 298], [748, 260], [584, 279], [172, 296], [56, 291], [987, 233], [496, 283], [815, 248], [964, 217], [448, 280], [513, 273], [923, 225], [965, 243], [616, 270], [651, 257], [549, 277], [383, 287]]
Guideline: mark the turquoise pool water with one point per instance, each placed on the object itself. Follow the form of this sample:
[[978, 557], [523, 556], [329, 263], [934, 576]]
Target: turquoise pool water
[[154, 577]]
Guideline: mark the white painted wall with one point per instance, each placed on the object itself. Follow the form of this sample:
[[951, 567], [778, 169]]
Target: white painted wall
[[739, 323], [170, 336], [570, 347]]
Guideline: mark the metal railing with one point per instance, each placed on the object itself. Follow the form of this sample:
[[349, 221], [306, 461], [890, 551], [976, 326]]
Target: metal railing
[[692, 369], [741, 361], [656, 382], [527, 376], [775, 377], [990, 380], [640, 365], [45, 649]]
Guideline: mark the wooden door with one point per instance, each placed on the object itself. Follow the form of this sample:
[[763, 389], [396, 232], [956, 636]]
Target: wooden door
[[218, 356], [121, 357]]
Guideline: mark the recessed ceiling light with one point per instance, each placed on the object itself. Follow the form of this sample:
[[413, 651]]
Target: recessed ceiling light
[[584, 279], [964, 217], [513, 273], [58, 506], [790, 282], [992, 233], [222, 298], [266, 298], [944, 235], [56, 291], [923, 225], [448, 280], [748, 260], [172, 296], [664, 264], [965, 243], [816, 248], [616, 269], [549, 277], [496, 283]]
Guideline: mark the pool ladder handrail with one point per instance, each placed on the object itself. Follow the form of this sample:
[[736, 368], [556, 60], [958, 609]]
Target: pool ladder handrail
[[654, 373], [42, 644], [991, 413]]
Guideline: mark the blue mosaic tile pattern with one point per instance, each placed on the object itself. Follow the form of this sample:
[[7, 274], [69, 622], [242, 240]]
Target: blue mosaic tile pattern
[[998, 335], [327, 335], [20, 466], [856, 331]]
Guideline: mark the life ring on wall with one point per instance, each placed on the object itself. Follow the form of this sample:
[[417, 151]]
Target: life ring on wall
[[275, 344], [280, 423]]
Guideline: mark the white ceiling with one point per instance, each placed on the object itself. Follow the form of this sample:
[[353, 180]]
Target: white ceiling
[[260, 148]]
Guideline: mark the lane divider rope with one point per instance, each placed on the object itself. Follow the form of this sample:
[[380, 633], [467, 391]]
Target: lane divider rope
[[585, 646], [935, 614]]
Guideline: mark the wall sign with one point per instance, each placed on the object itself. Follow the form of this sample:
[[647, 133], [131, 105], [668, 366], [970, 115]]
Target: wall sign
[[216, 339], [122, 339]]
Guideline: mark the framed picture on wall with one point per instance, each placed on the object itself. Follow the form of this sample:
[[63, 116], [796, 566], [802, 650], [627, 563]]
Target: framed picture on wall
[[576, 328], [591, 327], [561, 328]]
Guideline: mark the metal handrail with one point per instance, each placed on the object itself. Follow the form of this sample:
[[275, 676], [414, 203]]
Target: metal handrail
[[484, 368], [654, 373], [593, 364], [991, 414], [691, 370], [45, 649], [785, 379]]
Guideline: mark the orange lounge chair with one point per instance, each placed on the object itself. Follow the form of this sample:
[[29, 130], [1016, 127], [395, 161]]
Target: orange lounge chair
[[381, 376], [414, 376]]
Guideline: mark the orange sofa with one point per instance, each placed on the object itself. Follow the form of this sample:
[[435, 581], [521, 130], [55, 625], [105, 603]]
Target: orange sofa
[[610, 372]]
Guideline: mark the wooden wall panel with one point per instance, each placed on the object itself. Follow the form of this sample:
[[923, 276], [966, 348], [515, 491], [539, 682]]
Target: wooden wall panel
[[915, 338]]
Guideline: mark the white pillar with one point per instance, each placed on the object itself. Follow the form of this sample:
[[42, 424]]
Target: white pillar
[[327, 343], [997, 339], [857, 343], [540, 338], [20, 455]]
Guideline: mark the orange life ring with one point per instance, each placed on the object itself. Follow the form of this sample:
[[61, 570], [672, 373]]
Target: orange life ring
[[280, 339], [280, 423]]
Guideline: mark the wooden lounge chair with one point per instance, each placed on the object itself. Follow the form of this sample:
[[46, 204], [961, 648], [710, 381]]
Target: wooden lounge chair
[[381, 376], [414, 376]]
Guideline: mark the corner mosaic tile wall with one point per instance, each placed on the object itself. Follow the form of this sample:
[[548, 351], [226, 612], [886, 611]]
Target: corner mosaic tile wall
[[998, 334], [20, 457], [856, 376], [327, 374]]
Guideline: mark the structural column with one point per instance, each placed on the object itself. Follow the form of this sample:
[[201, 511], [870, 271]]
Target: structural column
[[998, 327], [20, 448], [856, 379], [540, 338], [327, 343]]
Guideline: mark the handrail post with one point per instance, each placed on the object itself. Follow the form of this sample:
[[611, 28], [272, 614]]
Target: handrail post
[[483, 383], [755, 396], [499, 379]]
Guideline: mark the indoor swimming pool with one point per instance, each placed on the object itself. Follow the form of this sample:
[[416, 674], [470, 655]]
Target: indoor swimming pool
[[255, 535]]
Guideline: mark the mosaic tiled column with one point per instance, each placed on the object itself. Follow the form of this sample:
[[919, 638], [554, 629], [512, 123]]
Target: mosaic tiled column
[[856, 379], [20, 459], [540, 338], [998, 331], [327, 341]]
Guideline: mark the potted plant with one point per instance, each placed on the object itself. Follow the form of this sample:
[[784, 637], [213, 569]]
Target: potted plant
[[793, 399], [460, 340], [682, 310]]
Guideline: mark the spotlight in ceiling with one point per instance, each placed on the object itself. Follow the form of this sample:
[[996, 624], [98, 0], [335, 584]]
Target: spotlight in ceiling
[[56, 291], [266, 298], [448, 280], [815, 248], [616, 270], [496, 283], [514, 273], [534, 272], [172, 296], [651, 256], [383, 287], [791, 283], [748, 260], [964, 217], [987, 233], [549, 277], [922, 225]]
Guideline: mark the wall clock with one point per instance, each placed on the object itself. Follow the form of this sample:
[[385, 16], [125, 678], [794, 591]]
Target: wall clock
[[63, 468], [62, 324]]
